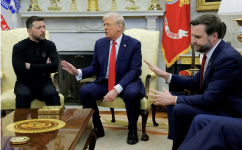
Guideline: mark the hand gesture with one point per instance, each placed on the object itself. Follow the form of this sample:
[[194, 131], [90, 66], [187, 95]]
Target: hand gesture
[[157, 70], [48, 60], [110, 96], [162, 98], [69, 68], [27, 65]]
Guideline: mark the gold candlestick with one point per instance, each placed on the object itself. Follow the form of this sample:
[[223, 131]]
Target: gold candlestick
[[73, 6], [34, 7], [113, 5], [92, 5]]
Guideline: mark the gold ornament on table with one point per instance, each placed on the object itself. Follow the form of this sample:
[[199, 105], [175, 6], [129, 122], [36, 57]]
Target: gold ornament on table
[[133, 7], [19, 140], [54, 5], [34, 6], [113, 5], [92, 5], [73, 6], [51, 110], [36, 125], [154, 5]]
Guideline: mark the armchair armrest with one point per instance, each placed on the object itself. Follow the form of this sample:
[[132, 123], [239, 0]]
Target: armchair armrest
[[54, 77], [88, 80], [2, 75], [150, 83]]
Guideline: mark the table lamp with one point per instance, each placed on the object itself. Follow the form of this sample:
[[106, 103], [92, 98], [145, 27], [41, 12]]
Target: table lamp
[[232, 7]]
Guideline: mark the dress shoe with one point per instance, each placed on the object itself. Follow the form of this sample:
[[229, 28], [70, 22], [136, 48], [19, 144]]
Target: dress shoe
[[132, 137], [99, 132]]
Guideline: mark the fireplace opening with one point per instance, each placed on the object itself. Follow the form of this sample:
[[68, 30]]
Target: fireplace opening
[[69, 86]]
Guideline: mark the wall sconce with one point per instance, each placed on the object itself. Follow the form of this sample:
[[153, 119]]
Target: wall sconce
[[232, 7]]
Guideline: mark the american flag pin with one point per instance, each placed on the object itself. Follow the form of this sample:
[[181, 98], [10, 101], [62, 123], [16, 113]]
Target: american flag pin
[[124, 45]]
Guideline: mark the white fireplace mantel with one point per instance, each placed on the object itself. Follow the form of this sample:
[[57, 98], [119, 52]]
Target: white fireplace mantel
[[91, 13], [91, 21]]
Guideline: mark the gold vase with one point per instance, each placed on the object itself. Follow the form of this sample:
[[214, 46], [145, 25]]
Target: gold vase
[[113, 5], [73, 6], [92, 5]]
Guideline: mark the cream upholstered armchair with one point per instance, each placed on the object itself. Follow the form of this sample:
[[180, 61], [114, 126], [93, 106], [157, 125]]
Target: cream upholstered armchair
[[8, 77], [149, 47]]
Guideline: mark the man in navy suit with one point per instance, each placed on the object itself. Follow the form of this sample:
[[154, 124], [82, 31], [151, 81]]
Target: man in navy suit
[[218, 82], [124, 68], [213, 132]]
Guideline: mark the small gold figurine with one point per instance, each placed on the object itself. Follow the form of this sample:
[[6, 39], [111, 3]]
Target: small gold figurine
[[34, 7], [154, 5], [133, 7], [54, 5], [113, 5], [73, 6]]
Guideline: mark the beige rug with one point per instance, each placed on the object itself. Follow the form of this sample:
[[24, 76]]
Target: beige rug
[[116, 134]]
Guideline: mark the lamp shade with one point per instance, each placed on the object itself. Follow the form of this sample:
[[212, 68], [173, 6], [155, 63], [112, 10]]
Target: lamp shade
[[230, 7]]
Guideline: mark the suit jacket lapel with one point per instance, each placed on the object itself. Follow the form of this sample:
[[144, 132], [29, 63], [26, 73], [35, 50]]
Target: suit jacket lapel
[[105, 54], [122, 48], [212, 59]]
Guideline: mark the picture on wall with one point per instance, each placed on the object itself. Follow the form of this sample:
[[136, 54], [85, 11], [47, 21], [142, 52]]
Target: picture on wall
[[208, 5]]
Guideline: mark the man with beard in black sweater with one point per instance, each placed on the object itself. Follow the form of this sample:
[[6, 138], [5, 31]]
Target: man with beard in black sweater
[[33, 60]]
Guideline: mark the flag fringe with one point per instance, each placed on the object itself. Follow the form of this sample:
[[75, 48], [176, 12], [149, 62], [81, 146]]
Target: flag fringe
[[175, 58]]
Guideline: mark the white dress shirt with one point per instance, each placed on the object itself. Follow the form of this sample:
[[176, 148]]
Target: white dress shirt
[[118, 87]]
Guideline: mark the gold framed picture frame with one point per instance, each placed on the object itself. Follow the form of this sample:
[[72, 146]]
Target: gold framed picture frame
[[208, 5]]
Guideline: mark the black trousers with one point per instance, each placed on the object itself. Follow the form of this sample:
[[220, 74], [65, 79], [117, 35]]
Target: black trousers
[[41, 90]]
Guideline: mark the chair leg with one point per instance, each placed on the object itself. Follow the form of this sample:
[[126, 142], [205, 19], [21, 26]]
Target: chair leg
[[144, 114], [153, 115], [113, 117], [4, 113]]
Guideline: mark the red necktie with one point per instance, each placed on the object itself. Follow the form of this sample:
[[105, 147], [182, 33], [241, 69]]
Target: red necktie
[[112, 63], [202, 70]]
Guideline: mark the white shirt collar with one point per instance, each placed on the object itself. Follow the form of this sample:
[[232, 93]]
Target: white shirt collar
[[118, 41]]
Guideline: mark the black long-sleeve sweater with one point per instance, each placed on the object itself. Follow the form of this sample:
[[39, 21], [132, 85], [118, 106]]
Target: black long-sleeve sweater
[[36, 54]]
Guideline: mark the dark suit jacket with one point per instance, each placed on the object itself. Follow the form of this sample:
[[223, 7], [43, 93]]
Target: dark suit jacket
[[222, 84], [128, 63]]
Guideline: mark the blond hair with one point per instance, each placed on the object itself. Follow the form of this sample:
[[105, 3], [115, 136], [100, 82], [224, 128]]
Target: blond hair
[[119, 19]]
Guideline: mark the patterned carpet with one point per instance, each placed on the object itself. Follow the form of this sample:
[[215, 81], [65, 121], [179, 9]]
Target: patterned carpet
[[116, 134]]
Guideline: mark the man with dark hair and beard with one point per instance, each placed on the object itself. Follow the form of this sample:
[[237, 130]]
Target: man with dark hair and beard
[[218, 82], [33, 60]]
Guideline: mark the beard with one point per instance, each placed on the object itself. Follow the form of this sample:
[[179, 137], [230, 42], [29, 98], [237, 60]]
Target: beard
[[204, 48], [39, 38]]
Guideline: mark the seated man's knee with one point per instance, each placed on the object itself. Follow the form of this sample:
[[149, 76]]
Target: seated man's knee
[[131, 94], [84, 90], [179, 109], [24, 94], [200, 121], [50, 92]]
